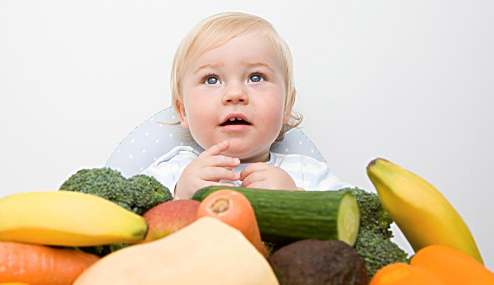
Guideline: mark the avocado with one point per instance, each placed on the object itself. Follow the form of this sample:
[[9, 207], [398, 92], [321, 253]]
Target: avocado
[[318, 262]]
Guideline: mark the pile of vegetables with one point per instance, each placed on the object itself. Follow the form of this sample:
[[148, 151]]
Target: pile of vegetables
[[281, 221], [229, 235]]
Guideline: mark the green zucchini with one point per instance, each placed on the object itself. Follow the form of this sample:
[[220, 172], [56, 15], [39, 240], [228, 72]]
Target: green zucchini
[[287, 216]]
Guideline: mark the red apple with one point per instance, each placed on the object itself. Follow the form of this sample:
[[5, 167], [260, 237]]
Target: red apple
[[169, 217]]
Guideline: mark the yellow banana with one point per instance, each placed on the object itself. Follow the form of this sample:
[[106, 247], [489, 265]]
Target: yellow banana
[[421, 212], [67, 218]]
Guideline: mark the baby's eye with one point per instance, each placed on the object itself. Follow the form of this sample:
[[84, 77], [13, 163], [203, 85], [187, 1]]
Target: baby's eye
[[256, 78], [211, 80]]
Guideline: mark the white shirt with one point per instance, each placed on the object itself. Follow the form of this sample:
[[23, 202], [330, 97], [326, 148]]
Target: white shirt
[[307, 172]]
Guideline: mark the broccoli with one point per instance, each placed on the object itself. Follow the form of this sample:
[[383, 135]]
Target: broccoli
[[374, 243], [138, 194], [373, 217]]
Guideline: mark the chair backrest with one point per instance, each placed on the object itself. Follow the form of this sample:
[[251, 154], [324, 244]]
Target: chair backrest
[[152, 139]]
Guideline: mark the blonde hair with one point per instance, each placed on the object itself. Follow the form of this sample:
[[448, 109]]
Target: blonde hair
[[219, 29]]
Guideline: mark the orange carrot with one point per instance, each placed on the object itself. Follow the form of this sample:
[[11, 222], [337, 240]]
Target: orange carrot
[[41, 265], [234, 208], [452, 265], [404, 274]]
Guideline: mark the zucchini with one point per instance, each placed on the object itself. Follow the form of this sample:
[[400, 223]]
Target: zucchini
[[286, 216]]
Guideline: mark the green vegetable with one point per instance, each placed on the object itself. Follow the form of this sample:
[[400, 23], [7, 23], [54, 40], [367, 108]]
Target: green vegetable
[[374, 243], [137, 194], [287, 216]]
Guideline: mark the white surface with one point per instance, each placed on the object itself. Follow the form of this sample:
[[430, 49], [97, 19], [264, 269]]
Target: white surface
[[411, 81]]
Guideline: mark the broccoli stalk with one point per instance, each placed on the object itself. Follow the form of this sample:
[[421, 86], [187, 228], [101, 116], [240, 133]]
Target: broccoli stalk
[[374, 243], [137, 194]]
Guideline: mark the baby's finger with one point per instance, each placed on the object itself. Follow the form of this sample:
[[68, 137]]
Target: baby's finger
[[216, 149], [219, 161], [257, 185], [254, 177], [254, 167], [218, 173]]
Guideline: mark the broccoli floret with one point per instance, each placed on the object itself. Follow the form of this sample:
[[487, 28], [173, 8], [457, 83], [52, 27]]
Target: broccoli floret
[[138, 193], [374, 243], [373, 217], [378, 251], [146, 191]]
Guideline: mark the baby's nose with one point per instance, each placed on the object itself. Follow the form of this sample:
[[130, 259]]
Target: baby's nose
[[235, 95]]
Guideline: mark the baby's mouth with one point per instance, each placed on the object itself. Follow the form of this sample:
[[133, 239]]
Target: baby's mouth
[[235, 121]]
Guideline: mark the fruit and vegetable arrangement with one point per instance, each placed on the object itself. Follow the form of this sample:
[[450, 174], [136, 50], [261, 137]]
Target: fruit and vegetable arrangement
[[100, 228]]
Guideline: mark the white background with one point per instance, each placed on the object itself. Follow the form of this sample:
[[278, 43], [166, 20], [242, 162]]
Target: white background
[[410, 81]]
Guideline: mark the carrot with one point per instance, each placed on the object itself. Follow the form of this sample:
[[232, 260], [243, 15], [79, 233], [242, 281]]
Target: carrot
[[452, 265], [234, 208], [404, 274], [41, 265]]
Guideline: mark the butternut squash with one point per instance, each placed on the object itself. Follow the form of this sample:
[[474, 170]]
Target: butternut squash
[[206, 252]]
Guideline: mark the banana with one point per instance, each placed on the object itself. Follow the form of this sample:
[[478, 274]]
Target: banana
[[67, 218], [421, 212]]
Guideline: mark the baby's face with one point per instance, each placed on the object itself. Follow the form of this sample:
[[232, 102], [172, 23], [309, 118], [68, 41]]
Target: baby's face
[[236, 92]]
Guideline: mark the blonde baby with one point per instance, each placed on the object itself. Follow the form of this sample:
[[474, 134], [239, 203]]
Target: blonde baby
[[232, 87]]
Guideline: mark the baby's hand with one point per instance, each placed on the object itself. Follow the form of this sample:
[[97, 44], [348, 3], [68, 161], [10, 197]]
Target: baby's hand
[[265, 176], [206, 170]]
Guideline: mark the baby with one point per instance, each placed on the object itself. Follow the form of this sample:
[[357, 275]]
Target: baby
[[232, 87]]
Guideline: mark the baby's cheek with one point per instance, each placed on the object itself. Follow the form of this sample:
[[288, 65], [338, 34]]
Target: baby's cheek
[[275, 120]]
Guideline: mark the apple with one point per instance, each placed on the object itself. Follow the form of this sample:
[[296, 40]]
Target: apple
[[169, 217]]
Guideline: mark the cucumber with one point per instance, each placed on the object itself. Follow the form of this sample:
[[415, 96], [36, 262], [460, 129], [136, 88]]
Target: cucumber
[[287, 216]]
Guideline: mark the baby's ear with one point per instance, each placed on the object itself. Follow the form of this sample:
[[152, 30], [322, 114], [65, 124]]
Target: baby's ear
[[181, 113]]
